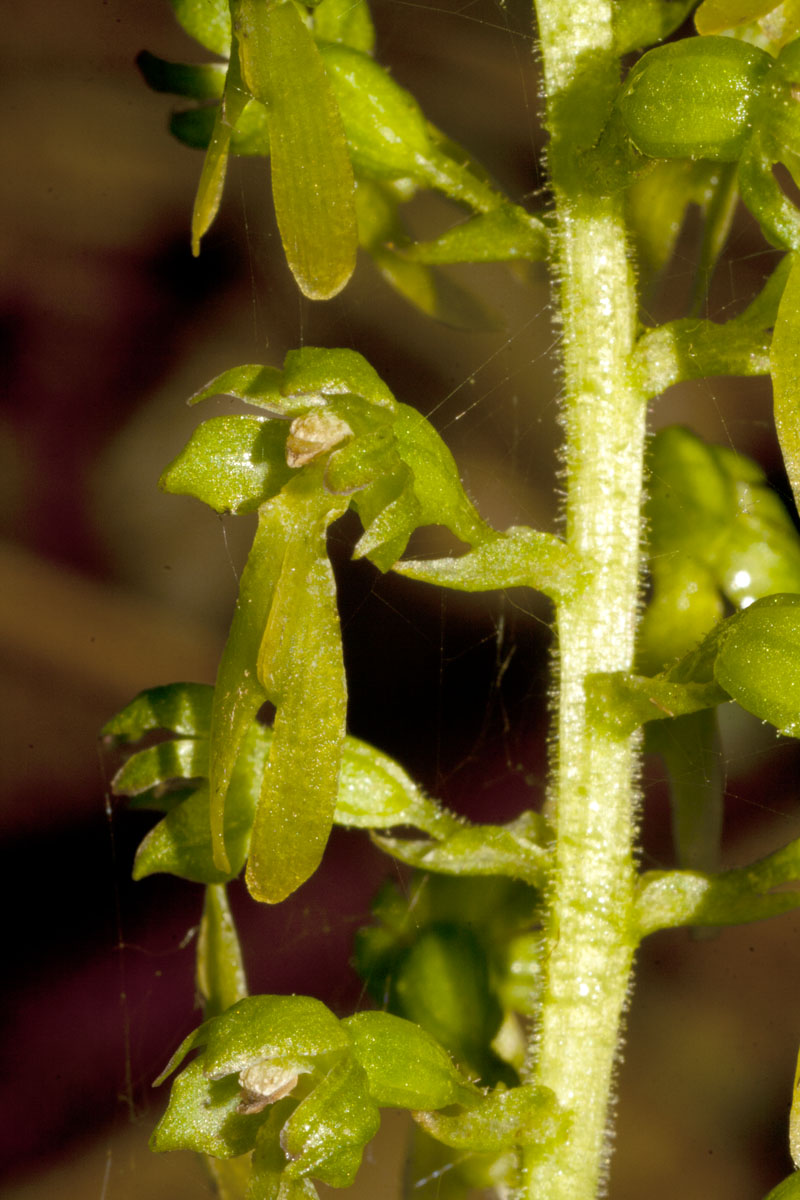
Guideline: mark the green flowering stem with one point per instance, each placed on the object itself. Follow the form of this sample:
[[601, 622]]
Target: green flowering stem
[[589, 936]]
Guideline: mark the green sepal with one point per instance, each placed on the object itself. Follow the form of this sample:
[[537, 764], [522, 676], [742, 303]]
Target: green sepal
[[787, 1189], [515, 850], [715, 16], [253, 383], [197, 81], [405, 1066], [180, 844], [231, 463], [195, 127], [750, 657], [231, 1176], [639, 23], [528, 1116], [785, 356], [762, 194], [669, 898], [290, 1031], [326, 1134], [193, 1041], [506, 234], [376, 793], [315, 370], [385, 238], [268, 1180], [207, 21], [690, 348], [181, 708], [623, 702], [220, 976], [155, 766], [314, 208], [685, 604], [520, 557], [202, 1115], [437, 484], [310, 377], [442, 983], [387, 133], [346, 21], [757, 661], [690, 749], [215, 165]]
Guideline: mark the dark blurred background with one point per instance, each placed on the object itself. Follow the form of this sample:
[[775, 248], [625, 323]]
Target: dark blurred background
[[107, 324]]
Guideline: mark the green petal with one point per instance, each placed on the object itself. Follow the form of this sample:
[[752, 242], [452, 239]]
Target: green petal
[[198, 81], [182, 708], [232, 464], [405, 1066], [215, 165]]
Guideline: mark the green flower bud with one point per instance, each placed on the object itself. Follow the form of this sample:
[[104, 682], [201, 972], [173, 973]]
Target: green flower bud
[[693, 99]]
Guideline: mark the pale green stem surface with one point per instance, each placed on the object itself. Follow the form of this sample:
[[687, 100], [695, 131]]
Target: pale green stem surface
[[589, 945]]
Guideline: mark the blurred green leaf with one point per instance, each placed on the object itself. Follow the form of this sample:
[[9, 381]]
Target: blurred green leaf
[[232, 464], [207, 21], [405, 1066], [794, 1119], [788, 1189], [315, 208]]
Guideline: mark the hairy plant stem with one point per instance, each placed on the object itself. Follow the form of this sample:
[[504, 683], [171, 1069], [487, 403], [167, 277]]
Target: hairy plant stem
[[589, 944]]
